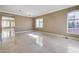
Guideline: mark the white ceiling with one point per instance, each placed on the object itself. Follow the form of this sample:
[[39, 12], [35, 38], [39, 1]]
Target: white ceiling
[[31, 10]]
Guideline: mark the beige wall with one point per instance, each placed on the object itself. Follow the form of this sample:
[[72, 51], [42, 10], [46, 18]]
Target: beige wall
[[23, 23], [57, 22]]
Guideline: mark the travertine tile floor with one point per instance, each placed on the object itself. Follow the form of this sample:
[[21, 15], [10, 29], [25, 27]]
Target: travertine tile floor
[[36, 42]]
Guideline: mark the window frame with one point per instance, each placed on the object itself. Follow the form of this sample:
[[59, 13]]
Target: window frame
[[68, 21], [39, 22], [9, 19]]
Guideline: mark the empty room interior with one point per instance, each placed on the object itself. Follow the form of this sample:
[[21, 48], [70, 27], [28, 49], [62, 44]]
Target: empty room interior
[[39, 29]]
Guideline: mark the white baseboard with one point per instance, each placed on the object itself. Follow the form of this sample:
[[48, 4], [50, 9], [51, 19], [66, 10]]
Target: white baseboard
[[62, 36], [54, 34], [73, 38]]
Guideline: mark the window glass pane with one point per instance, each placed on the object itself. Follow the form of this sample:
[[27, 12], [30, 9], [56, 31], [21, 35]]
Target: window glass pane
[[71, 16], [12, 24], [41, 23], [77, 23], [71, 24], [37, 23], [5, 24], [76, 15]]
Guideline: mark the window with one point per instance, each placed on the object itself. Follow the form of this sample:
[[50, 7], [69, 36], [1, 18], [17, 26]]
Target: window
[[39, 23], [73, 22], [8, 22]]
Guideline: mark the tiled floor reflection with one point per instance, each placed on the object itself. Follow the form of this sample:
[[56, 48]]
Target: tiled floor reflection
[[7, 33], [35, 42]]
